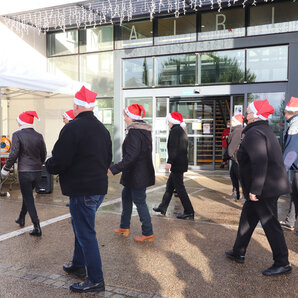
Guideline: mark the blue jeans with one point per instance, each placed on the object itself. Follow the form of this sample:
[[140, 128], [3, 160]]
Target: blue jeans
[[137, 196], [86, 250]]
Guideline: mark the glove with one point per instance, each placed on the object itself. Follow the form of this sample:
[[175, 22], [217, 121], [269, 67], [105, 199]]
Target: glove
[[4, 173]]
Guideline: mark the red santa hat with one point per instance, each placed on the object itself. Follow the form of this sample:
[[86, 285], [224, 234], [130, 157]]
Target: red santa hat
[[27, 117], [238, 119], [135, 112], [69, 115], [176, 118], [85, 98], [261, 109], [292, 105]]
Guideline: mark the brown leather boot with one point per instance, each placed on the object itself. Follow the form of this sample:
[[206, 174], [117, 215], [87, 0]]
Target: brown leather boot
[[144, 238], [124, 232]]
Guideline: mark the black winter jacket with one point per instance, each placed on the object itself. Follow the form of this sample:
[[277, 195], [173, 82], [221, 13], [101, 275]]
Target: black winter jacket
[[136, 164], [178, 149], [28, 147], [262, 170], [82, 156], [234, 142]]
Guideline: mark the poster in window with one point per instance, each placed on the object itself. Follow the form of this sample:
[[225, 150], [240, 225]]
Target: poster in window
[[238, 109], [206, 128]]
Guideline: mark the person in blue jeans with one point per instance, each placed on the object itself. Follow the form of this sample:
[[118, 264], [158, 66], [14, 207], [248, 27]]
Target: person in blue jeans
[[137, 172], [81, 157]]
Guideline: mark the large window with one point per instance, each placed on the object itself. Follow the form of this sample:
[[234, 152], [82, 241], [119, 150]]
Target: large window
[[273, 18], [97, 70], [175, 70], [225, 24], [137, 34], [137, 72], [96, 39], [64, 66], [267, 64], [174, 30], [277, 100], [62, 43], [221, 67]]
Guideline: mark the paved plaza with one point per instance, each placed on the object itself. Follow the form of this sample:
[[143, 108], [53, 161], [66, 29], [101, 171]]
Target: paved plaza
[[186, 260]]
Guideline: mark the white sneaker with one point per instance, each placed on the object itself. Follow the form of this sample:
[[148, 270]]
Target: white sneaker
[[233, 195]]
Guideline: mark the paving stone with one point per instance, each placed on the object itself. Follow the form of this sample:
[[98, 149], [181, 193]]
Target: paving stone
[[29, 276], [117, 296], [48, 281], [144, 295], [54, 276], [157, 296], [65, 286], [64, 278], [46, 274], [39, 279], [58, 284], [120, 291], [17, 268], [109, 288], [104, 294], [132, 294]]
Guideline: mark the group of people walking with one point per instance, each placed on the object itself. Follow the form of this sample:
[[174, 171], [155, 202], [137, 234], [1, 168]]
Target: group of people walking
[[82, 158]]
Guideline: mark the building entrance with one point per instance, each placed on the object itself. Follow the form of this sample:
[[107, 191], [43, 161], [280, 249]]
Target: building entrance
[[205, 119]]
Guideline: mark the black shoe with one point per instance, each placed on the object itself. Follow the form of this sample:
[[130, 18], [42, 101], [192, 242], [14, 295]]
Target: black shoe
[[36, 230], [277, 270], [87, 286], [185, 216], [286, 226], [231, 255], [77, 271], [21, 221], [296, 232], [159, 210], [67, 204]]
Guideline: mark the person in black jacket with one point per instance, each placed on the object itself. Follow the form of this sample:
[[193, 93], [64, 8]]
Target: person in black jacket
[[137, 172], [233, 145], [263, 179], [28, 147], [178, 164], [81, 157]]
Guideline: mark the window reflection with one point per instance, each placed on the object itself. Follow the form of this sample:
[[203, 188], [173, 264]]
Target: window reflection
[[267, 64], [174, 30], [97, 70], [64, 66], [137, 72], [175, 70], [62, 43]]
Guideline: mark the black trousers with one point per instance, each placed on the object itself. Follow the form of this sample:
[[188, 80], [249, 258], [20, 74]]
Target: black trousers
[[175, 182], [234, 174], [264, 210], [293, 211], [28, 181]]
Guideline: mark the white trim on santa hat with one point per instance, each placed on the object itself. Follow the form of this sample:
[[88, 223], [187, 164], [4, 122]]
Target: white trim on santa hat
[[291, 109], [23, 123], [131, 115], [172, 120], [255, 111], [237, 121], [84, 104], [67, 116]]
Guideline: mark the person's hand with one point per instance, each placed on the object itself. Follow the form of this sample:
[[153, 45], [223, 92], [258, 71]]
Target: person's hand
[[4, 173], [168, 166], [109, 171], [253, 197]]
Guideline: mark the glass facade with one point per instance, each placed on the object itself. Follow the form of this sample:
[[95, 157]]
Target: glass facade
[[267, 64], [62, 43], [137, 73], [225, 24], [221, 67], [65, 66], [175, 70], [274, 18], [97, 70], [96, 39], [174, 30]]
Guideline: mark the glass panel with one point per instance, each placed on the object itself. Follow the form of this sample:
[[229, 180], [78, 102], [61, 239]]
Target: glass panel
[[133, 35], [174, 30], [104, 111], [96, 39], [267, 64], [137, 72], [221, 67], [97, 70], [277, 100], [175, 70], [62, 43], [146, 102], [273, 18], [64, 66], [225, 24], [160, 152], [161, 107]]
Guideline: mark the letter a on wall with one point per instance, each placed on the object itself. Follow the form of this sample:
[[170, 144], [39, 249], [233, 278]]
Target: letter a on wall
[[133, 33]]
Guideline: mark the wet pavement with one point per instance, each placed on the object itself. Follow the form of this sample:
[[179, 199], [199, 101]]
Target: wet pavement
[[186, 260]]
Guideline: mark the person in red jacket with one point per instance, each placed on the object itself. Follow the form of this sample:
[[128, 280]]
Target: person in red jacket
[[224, 144]]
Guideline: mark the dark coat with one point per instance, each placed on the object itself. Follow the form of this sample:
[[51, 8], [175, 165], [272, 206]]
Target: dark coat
[[178, 149], [136, 164], [28, 147], [82, 156], [262, 170], [234, 142]]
